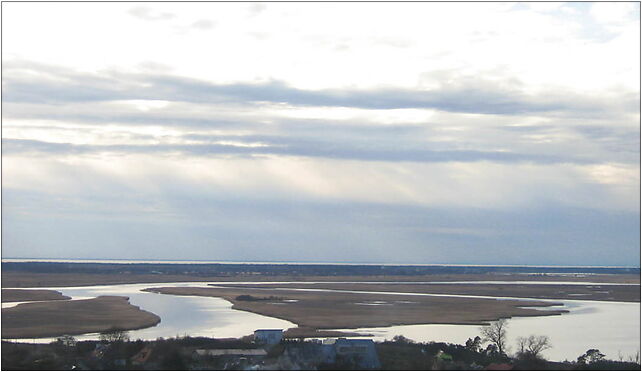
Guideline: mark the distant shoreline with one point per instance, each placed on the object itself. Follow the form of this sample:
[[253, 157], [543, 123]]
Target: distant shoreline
[[299, 263], [61, 274]]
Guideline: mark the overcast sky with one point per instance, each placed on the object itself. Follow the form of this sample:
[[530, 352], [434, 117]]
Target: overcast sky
[[469, 133]]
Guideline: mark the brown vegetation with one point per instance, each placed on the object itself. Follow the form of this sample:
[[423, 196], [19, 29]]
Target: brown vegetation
[[627, 293], [54, 318], [22, 295], [326, 310]]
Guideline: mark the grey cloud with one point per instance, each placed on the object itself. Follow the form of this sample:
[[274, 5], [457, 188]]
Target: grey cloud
[[197, 106], [289, 148], [99, 113], [462, 96], [613, 139], [525, 128]]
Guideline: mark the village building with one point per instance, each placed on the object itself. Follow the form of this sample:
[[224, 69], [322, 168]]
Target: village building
[[360, 353], [268, 336]]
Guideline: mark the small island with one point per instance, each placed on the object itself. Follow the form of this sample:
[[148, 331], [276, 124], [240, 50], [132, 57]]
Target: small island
[[54, 318]]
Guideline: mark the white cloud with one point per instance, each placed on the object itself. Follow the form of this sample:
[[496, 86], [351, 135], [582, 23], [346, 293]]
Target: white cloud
[[299, 48], [614, 13]]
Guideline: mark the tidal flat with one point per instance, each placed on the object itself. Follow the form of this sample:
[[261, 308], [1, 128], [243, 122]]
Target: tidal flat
[[320, 310]]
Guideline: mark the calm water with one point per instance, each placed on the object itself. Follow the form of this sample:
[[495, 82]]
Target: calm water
[[180, 315], [611, 327]]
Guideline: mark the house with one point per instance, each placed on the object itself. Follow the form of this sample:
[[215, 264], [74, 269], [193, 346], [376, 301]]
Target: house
[[359, 351], [333, 353], [268, 336], [306, 356]]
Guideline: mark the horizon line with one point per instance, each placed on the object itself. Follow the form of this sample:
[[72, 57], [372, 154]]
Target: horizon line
[[230, 262]]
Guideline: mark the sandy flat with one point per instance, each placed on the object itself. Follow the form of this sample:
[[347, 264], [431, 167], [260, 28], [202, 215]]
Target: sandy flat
[[55, 318], [622, 293], [322, 310], [21, 295]]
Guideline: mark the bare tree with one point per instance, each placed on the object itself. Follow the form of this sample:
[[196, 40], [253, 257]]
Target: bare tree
[[532, 346], [114, 335], [66, 340], [496, 333]]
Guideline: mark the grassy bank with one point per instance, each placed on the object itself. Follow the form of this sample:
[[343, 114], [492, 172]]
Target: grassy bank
[[55, 318]]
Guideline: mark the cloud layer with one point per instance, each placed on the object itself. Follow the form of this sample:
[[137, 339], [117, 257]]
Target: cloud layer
[[254, 132]]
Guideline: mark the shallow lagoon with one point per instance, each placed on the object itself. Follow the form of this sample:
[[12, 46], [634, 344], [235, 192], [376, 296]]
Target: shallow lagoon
[[611, 327]]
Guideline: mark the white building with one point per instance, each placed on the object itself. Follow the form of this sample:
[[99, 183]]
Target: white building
[[268, 336]]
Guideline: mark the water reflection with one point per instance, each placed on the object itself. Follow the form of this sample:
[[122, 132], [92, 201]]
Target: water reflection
[[180, 315], [611, 327]]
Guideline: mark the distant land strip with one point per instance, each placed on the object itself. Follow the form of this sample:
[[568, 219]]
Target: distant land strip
[[50, 274]]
